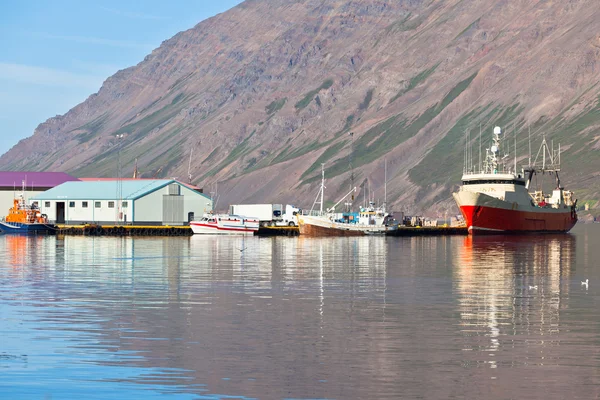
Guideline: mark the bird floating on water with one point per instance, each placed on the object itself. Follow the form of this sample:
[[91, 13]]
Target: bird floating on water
[[533, 287], [585, 283]]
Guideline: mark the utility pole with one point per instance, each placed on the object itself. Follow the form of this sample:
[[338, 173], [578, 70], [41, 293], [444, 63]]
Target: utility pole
[[119, 197], [351, 166]]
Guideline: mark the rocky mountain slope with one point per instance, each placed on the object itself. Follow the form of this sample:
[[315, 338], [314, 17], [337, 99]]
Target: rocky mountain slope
[[260, 96]]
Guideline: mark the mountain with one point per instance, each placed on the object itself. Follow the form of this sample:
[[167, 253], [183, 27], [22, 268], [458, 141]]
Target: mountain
[[252, 101]]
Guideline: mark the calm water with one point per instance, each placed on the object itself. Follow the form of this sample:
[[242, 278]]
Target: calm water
[[344, 318]]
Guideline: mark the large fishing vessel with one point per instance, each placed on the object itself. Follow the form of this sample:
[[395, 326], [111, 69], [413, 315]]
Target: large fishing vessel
[[497, 199], [225, 224], [23, 218], [369, 220]]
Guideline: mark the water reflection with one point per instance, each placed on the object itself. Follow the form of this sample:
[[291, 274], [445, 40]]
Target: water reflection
[[299, 317], [511, 291]]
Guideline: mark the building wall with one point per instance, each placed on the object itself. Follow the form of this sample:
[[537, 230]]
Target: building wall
[[196, 203], [145, 210], [80, 214], [150, 207]]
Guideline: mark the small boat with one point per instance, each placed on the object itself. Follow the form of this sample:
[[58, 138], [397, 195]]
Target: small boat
[[225, 224], [370, 220], [23, 218], [496, 199]]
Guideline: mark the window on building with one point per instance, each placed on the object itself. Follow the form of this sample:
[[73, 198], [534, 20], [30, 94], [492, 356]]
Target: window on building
[[97, 204], [84, 204], [111, 204], [72, 204], [124, 204], [47, 204]]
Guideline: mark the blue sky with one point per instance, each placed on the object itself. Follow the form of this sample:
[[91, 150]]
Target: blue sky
[[54, 54]]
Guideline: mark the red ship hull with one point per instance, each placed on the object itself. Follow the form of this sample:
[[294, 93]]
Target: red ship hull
[[482, 219]]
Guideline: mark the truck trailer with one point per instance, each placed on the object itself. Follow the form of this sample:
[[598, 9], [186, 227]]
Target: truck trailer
[[268, 214]]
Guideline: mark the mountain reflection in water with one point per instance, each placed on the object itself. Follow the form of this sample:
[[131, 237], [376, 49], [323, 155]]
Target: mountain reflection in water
[[429, 317]]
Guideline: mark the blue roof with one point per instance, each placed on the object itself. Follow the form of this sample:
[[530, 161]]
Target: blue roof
[[104, 190]]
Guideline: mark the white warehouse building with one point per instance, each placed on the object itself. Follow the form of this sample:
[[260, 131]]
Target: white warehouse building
[[127, 201]]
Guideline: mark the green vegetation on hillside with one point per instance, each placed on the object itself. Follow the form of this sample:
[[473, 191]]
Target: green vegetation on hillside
[[405, 24], [238, 151], [327, 155], [211, 155], [392, 132], [275, 106], [414, 82], [472, 25], [92, 128], [456, 91], [308, 97], [145, 125], [177, 98], [286, 155], [367, 100], [581, 158]]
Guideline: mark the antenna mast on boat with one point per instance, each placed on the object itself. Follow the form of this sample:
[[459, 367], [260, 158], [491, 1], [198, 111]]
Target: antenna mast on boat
[[515, 137], [465, 155], [529, 128], [480, 147], [321, 190], [384, 182], [470, 153], [322, 185]]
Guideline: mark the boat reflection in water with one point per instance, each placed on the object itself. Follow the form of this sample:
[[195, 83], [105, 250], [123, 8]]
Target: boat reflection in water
[[511, 292]]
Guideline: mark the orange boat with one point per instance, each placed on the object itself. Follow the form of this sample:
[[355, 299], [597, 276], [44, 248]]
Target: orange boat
[[23, 218]]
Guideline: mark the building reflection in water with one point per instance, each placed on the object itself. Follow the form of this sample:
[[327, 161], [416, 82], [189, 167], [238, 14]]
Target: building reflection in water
[[509, 286]]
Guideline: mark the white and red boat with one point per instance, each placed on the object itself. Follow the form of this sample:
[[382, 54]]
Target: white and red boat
[[225, 224], [495, 199]]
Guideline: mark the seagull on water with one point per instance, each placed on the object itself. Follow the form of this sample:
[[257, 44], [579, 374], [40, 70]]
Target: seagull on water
[[533, 287], [585, 283]]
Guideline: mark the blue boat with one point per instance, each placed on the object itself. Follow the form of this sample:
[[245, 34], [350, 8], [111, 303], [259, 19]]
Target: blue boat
[[19, 227]]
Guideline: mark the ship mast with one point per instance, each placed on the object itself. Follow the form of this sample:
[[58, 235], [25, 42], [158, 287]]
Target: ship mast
[[322, 186], [320, 193], [384, 183], [494, 151]]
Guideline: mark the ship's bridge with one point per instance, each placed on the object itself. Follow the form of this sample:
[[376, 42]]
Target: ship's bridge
[[493, 179]]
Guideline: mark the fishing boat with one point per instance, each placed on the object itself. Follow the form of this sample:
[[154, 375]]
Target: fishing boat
[[225, 224], [497, 199], [369, 220], [23, 218]]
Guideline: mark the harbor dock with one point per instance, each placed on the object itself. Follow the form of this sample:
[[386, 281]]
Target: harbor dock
[[429, 231], [124, 230], [184, 230]]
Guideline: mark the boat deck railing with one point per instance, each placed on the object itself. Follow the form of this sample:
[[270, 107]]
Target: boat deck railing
[[314, 213]]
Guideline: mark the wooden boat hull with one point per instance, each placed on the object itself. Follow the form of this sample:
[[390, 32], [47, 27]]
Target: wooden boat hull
[[322, 227]]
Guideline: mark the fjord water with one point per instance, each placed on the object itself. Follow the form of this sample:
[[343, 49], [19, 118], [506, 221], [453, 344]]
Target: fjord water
[[229, 317]]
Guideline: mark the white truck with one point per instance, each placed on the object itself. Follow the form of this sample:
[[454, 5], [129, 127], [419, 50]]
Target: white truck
[[268, 214]]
